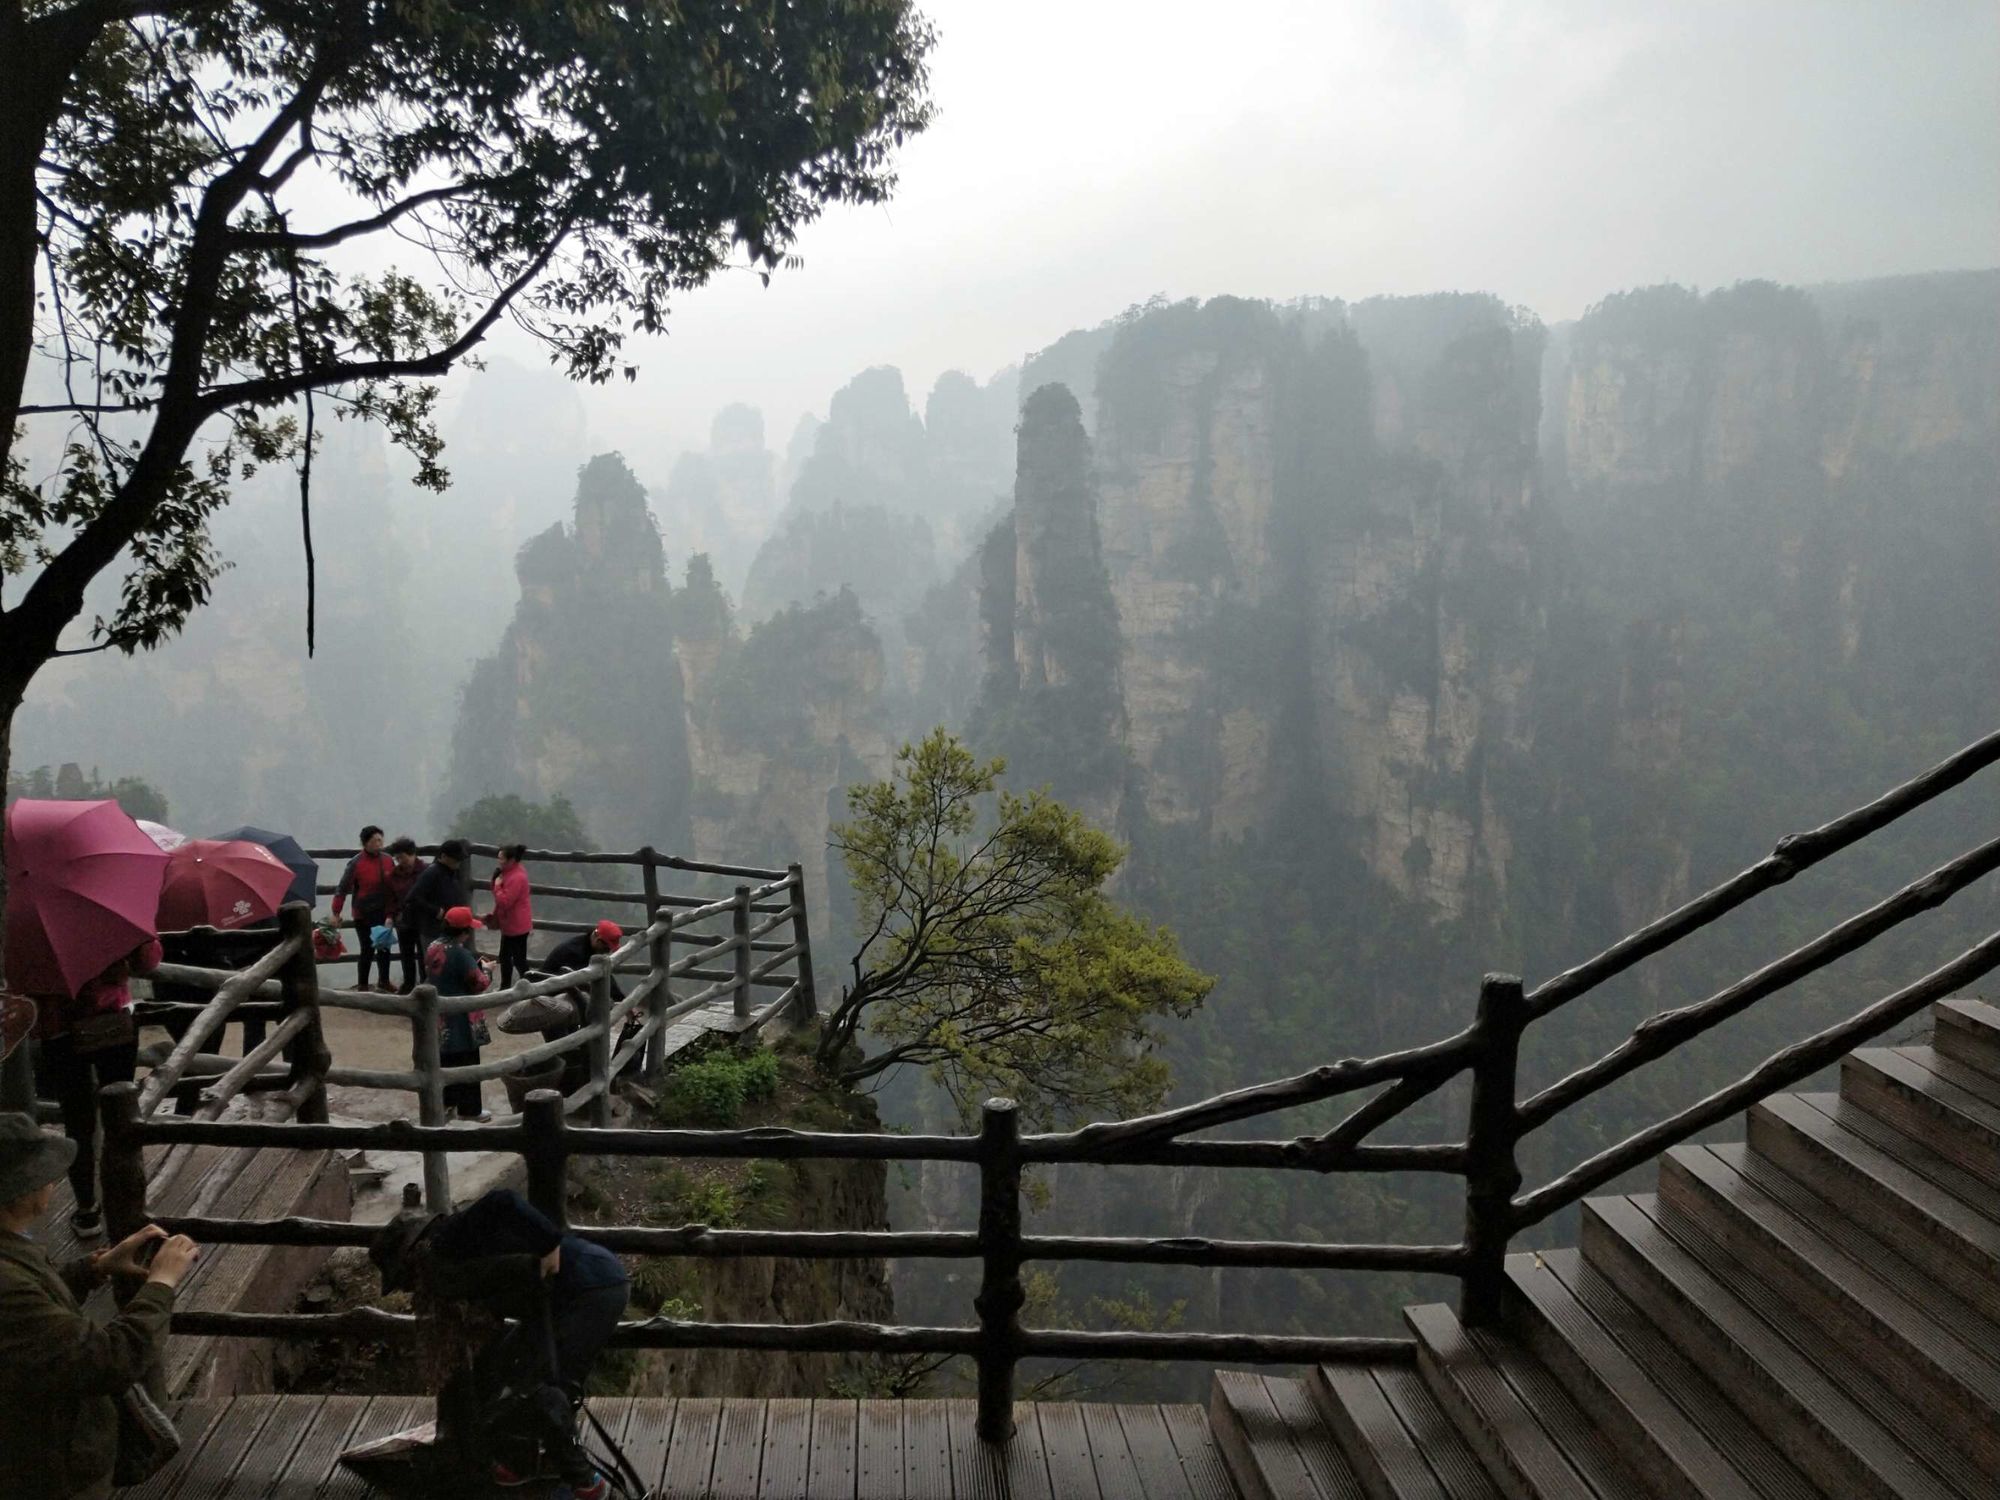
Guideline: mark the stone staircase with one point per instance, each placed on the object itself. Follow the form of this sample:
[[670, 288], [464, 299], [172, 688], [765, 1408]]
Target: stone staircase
[[1813, 1312]]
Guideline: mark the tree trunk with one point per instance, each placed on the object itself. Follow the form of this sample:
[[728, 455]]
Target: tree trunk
[[17, 1079]]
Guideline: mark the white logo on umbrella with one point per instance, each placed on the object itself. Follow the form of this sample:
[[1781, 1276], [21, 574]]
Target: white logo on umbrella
[[240, 909]]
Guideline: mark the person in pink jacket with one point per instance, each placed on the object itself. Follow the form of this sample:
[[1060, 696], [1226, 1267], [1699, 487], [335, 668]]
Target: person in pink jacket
[[511, 913]]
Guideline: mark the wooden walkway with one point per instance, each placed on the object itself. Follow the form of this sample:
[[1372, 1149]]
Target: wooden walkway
[[288, 1448], [224, 1182], [1815, 1312]]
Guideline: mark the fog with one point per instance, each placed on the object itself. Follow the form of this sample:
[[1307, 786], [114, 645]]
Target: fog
[[1087, 157]]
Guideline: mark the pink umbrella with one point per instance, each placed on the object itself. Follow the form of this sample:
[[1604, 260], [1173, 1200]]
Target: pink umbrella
[[83, 886], [221, 883]]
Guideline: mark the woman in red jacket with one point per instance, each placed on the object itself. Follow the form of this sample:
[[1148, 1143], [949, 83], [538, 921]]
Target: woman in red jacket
[[367, 880], [511, 913]]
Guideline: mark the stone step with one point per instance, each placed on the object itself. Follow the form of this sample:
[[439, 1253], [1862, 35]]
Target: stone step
[[1514, 1414], [1947, 1107], [1849, 1432], [1874, 1304], [1616, 1390], [1883, 1191], [1395, 1436], [1274, 1441], [1968, 1031]]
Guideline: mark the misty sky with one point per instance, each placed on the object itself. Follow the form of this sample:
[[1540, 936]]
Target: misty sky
[[1088, 155]]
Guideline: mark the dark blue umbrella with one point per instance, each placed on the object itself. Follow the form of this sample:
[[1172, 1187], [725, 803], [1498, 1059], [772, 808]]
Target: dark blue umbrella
[[291, 854]]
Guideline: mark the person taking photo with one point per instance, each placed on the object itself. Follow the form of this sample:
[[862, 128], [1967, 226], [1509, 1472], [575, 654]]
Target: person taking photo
[[61, 1373]]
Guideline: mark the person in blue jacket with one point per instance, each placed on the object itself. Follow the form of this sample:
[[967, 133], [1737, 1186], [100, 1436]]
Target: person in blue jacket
[[565, 1295]]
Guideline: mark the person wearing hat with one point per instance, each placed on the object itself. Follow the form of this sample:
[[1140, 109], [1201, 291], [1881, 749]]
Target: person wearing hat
[[60, 1372], [514, 1405], [456, 969], [556, 1016]]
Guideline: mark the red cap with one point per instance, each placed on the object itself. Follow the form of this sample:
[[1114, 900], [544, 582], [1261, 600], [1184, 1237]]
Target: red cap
[[609, 931], [462, 918]]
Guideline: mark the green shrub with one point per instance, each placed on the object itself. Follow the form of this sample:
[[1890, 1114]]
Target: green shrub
[[714, 1090]]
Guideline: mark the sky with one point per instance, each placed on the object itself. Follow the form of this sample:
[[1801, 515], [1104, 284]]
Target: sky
[[1088, 155]]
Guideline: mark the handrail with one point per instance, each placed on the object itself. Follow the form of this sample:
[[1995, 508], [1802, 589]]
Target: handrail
[[608, 1037], [1793, 853], [1799, 1061], [227, 996], [643, 858], [1487, 1158], [1662, 1033]]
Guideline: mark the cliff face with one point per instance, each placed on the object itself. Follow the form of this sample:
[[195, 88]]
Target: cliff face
[[826, 1195], [1421, 657], [1778, 504], [1357, 570], [795, 1196], [779, 724], [583, 697], [1315, 530]]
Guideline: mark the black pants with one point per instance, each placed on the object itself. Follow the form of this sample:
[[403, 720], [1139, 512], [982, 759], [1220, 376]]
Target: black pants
[[582, 1322], [513, 957], [365, 924], [406, 940], [461, 1099], [73, 1079]]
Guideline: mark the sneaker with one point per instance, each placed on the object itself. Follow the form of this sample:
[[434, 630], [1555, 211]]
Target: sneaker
[[364, 988], [87, 1222], [594, 1489], [484, 1117], [507, 1479]]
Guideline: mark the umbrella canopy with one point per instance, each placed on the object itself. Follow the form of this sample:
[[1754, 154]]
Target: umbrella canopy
[[83, 885], [167, 838], [221, 883], [305, 872]]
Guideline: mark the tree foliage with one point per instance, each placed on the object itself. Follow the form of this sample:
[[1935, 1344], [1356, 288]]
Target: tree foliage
[[209, 212], [993, 959], [553, 824], [138, 796]]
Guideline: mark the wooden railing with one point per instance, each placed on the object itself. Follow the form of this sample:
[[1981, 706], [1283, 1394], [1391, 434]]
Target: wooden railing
[[755, 954], [1487, 1158]]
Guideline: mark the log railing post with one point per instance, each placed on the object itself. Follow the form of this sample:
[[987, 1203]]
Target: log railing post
[[659, 958], [740, 921], [1492, 1174], [807, 1005], [123, 1164], [547, 1154], [600, 1045], [430, 1093], [1001, 1294], [307, 1053]]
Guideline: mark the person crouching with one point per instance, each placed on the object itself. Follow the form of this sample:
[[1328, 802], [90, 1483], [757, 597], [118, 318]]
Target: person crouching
[[509, 1407]]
